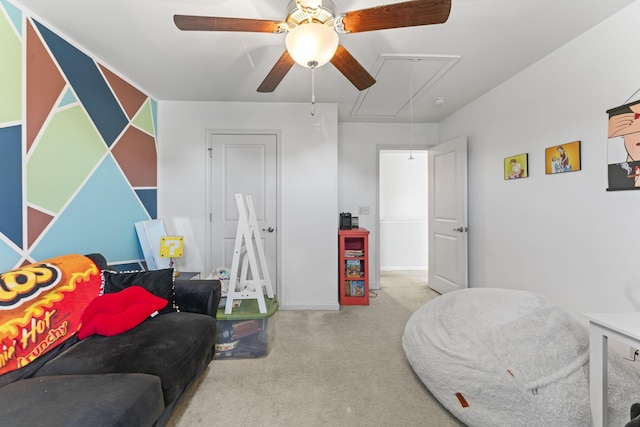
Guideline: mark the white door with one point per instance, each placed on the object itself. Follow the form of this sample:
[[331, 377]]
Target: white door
[[243, 163], [448, 216]]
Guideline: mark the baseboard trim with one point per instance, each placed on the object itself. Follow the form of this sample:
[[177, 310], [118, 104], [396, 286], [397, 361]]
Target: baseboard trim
[[318, 307]]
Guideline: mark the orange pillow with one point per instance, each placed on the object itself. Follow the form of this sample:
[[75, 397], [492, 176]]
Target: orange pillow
[[115, 313]]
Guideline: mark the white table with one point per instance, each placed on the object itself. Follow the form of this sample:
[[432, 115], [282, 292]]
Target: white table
[[623, 327]]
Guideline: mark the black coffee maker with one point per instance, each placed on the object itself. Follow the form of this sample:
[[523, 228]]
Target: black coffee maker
[[345, 221]]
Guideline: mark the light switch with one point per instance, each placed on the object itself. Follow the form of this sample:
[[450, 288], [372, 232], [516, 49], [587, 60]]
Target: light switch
[[364, 210]]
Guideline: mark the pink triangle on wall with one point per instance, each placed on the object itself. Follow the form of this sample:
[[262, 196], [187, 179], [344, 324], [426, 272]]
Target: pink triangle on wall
[[44, 84], [37, 221]]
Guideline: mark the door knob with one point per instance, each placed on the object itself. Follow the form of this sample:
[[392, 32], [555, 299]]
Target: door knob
[[460, 229], [269, 230]]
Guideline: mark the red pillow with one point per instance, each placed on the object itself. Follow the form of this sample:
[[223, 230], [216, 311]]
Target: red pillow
[[115, 313]]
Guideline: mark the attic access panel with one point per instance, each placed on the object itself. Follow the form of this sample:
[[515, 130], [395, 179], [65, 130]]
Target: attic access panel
[[391, 94]]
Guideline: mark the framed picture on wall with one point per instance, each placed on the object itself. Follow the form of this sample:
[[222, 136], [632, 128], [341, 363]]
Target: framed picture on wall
[[516, 166], [562, 158], [623, 147]]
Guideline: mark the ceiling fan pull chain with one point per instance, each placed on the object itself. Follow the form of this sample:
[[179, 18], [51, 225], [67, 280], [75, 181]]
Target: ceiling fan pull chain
[[313, 65], [411, 104]]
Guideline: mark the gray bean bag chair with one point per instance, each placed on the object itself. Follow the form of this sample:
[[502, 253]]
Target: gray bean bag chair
[[498, 357]]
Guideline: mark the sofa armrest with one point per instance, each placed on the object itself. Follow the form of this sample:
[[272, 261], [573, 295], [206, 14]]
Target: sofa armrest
[[198, 296]]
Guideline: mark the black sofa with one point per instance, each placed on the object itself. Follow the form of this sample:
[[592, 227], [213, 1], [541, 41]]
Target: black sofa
[[135, 378]]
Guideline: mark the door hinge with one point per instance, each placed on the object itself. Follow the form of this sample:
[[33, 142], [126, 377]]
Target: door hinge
[[210, 217], [210, 149]]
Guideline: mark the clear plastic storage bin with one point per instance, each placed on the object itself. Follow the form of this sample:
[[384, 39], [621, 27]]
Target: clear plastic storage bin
[[245, 333]]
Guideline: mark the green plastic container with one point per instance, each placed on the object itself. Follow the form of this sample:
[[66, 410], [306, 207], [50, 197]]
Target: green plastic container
[[245, 333]]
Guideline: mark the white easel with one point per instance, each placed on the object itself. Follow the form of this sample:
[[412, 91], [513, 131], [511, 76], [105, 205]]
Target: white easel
[[248, 241]]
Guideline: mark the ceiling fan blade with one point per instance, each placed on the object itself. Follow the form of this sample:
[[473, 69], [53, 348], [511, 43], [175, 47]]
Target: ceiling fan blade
[[398, 15], [277, 73], [351, 68], [212, 23]]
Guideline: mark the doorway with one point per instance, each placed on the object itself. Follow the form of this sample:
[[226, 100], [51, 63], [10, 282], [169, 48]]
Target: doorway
[[403, 217], [242, 162]]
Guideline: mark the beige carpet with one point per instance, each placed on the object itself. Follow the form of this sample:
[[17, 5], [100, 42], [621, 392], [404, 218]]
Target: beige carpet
[[342, 368]]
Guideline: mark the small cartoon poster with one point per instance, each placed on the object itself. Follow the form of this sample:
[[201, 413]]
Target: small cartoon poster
[[562, 158], [516, 166], [623, 147]]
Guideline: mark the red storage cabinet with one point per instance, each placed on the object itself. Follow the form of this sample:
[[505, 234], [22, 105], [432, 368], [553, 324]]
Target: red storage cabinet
[[353, 252]]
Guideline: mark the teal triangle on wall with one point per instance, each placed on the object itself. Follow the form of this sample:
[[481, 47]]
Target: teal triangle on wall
[[14, 13], [68, 98], [154, 112], [9, 258]]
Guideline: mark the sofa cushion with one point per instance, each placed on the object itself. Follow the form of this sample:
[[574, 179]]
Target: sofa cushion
[[113, 314], [198, 296], [177, 347], [158, 282], [82, 400], [99, 260], [30, 369]]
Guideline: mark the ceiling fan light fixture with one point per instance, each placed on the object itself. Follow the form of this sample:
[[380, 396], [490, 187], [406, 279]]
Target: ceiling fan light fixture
[[309, 4], [312, 44]]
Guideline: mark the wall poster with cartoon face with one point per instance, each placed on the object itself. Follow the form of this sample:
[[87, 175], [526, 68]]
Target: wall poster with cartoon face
[[623, 147]]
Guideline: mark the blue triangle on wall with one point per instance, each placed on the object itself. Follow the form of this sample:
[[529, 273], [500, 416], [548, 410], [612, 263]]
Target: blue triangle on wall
[[11, 183], [88, 83], [149, 198]]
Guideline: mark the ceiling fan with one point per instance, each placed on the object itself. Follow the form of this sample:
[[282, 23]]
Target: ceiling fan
[[312, 28]]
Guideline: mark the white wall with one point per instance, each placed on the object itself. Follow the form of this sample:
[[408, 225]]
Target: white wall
[[358, 171], [403, 208], [308, 172], [562, 236]]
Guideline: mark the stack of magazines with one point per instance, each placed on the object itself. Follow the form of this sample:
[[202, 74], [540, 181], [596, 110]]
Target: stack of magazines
[[354, 253]]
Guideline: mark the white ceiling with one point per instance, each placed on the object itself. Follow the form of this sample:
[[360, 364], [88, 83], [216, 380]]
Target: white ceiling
[[483, 43]]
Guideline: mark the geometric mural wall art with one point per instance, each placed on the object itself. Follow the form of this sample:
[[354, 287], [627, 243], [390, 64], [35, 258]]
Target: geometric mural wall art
[[11, 168], [99, 218], [69, 127]]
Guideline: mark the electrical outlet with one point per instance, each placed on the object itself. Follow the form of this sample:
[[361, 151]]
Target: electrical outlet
[[364, 210]]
